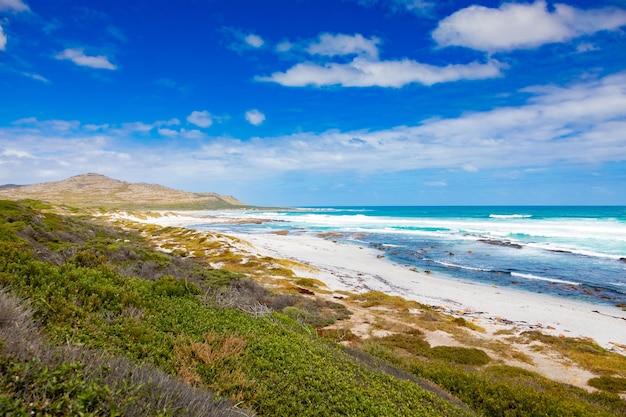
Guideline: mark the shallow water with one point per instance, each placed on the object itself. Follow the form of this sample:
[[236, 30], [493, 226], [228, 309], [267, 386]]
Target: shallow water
[[574, 252]]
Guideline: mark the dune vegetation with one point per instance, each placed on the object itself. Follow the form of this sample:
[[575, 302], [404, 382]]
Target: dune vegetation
[[94, 320]]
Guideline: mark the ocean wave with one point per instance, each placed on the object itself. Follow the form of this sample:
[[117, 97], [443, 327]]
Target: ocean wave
[[510, 216], [469, 268], [570, 250], [548, 279], [333, 210]]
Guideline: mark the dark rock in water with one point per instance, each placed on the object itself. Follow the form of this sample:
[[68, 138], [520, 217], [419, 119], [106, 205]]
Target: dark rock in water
[[505, 243], [622, 259]]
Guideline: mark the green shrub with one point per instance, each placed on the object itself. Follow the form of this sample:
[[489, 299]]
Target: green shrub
[[460, 355], [171, 287], [609, 383], [297, 314], [31, 389]]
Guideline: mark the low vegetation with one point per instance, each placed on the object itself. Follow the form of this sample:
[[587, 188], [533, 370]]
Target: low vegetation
[[94, 321], [91, 294]]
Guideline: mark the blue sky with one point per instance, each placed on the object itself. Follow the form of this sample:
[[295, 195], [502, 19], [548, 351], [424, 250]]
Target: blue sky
[[321, 102]]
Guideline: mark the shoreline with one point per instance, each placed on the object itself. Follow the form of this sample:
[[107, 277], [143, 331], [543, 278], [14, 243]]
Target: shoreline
[[353, 268]]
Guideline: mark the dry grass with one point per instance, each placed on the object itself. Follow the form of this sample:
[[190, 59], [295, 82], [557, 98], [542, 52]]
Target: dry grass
[[585, 353], [208, 360]]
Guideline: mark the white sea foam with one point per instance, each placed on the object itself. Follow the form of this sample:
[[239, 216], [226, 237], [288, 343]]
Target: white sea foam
[[510, 216], [537, 278], [574, 250], [581, 236], [469, 268]]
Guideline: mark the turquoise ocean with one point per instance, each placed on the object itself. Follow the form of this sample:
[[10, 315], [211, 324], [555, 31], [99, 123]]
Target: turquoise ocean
[[573, 252]]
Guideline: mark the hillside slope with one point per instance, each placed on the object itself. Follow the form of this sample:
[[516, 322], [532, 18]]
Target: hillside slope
[[121, 329], [95, 190]]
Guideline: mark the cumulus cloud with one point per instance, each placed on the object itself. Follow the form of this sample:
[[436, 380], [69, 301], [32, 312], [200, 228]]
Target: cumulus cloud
[[522, 26], [367, 70], [340, 44], [168, 132], [367, 73], [200, 118], [255, 117], [192, 134], [240, 40], [13, 6], [254, 41], [284, 46], [78, 57]]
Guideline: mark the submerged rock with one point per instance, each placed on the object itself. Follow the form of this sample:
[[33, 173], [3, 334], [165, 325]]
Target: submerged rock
[[505, 243]]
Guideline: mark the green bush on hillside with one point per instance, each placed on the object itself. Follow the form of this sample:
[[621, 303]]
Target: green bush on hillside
[[273, 364]]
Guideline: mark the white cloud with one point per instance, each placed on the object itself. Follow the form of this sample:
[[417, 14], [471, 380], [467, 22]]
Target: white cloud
[[340, 44], [141, 127], [55, 125], [16, 153], [3, 39], [522, 26], [168, 132], [284, 46], [93, 127], [585, 47], [78, 57], [25, 120], [192, 134], [13, 5], [255, 117], [241, 41], [418, 7], [367, 73], [200, 118], [366, 70], [34, 76], [171, 122], [254, 41], [583, 123]]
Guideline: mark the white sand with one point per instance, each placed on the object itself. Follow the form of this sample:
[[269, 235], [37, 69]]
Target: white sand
[[353, 268]]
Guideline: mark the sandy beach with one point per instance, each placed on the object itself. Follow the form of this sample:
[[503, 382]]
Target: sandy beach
[[353, 268]]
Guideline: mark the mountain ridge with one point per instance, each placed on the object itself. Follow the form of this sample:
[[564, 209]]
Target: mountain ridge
[[97, 190]]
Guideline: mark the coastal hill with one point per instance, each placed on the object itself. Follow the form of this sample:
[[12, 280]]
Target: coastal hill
[[95, 190]]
